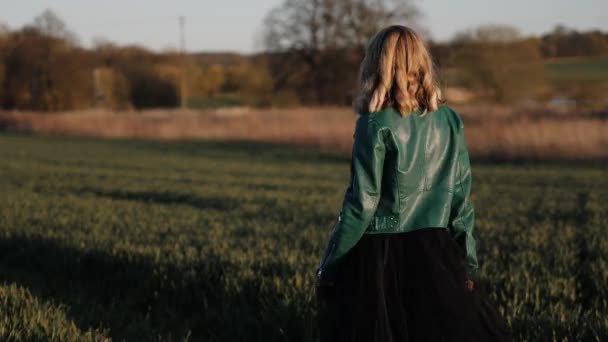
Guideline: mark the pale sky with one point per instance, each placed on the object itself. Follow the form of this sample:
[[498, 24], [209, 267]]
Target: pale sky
[[235, 25]]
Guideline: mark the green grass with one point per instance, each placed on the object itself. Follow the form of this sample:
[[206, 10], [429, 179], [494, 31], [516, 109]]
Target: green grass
[[563, 72], [201, 241], [583, 69]]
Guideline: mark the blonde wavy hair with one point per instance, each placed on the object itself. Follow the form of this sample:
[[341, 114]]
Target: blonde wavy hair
[[398, 72]]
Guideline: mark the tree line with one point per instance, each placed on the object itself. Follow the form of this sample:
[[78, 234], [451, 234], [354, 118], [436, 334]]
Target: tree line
[[312, 51], [44, 68]]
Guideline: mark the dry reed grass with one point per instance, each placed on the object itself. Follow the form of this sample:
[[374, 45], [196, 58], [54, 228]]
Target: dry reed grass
[[491, 132]]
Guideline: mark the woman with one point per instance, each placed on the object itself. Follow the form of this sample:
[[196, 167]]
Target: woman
[[401, 262]]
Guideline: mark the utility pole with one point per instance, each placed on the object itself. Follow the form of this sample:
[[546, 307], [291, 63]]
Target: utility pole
[[182, 50]]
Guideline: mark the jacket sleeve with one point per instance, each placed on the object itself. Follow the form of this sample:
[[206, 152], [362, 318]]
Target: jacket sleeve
[[361, 197], [462, 214]]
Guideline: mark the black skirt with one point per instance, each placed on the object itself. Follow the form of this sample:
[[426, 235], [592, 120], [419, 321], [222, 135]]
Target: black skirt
[[406, 287]]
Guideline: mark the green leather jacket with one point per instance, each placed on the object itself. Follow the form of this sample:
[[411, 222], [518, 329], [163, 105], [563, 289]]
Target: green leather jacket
[[407, 172]]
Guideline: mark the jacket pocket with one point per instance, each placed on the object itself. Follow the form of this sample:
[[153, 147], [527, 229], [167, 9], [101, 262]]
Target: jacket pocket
[[384, 223]]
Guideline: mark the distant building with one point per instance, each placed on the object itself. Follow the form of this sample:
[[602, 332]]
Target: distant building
[[562, 103]]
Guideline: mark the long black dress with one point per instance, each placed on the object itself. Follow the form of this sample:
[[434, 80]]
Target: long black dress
[[406, 287]]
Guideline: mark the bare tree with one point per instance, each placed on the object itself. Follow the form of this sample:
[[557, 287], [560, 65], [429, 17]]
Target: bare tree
[[317, 44], [320, 24], [4, 30], [48, 23], [491, 33]]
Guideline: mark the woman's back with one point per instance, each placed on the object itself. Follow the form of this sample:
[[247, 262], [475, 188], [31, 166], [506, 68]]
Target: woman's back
[[420, 171], [407, 173], [401, 260]]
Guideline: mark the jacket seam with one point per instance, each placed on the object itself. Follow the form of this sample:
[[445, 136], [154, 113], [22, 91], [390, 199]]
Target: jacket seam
[[459, 168], [395, 178], [373, 121], [426, 157]]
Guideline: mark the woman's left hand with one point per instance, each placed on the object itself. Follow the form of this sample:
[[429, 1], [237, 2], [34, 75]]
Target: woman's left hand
[[470, 285]]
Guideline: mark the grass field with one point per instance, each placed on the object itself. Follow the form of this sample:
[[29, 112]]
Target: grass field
[[593, 69], [557, 70], [216, 241]]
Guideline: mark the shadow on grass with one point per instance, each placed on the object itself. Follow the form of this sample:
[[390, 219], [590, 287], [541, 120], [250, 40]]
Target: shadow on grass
[[138, 300], [234, 149], [217, 149], [165, 197]]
